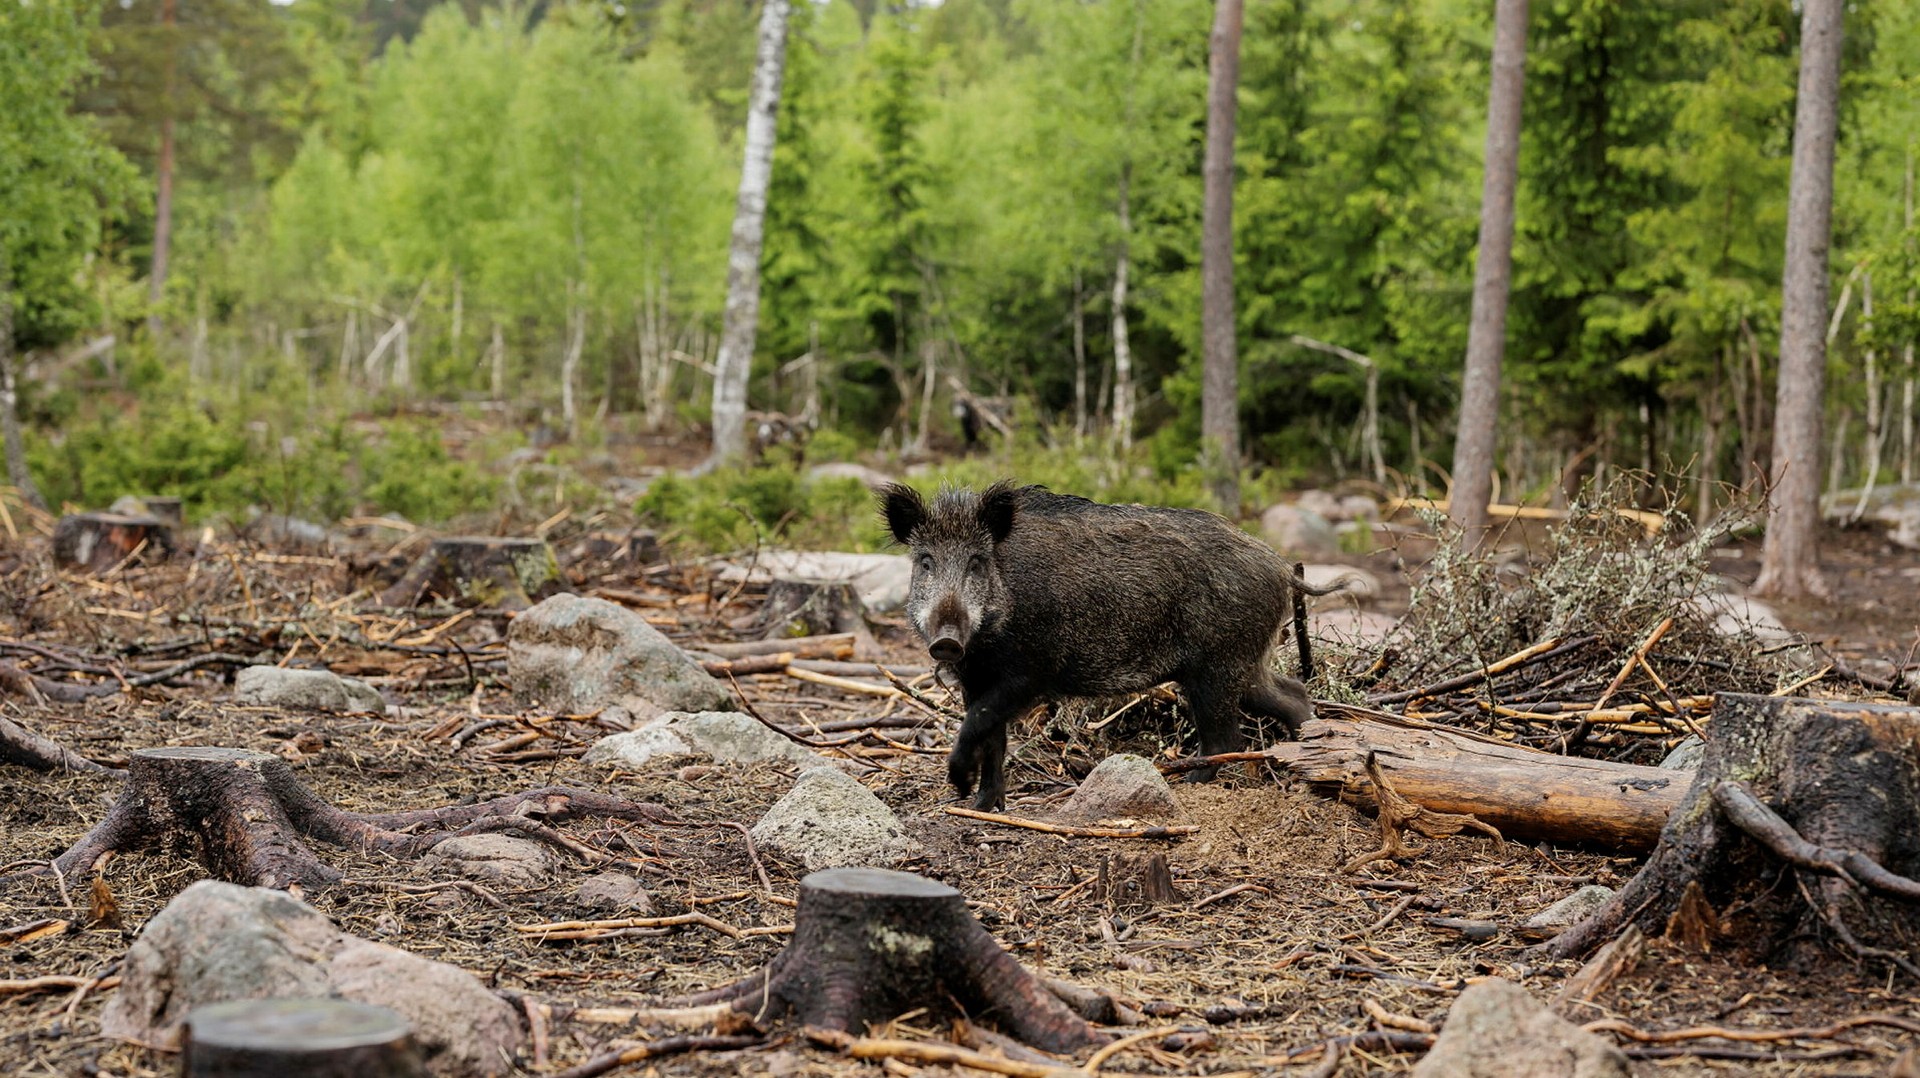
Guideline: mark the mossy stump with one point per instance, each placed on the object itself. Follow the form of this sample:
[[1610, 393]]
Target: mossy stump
[[479, 570], [298, 1038], [871, 944]]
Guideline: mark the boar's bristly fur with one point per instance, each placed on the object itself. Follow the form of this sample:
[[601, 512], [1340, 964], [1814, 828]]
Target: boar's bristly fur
[[1028, 594]]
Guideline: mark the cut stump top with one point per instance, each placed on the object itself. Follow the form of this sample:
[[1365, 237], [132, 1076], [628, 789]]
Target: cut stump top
[[210, 754], [876, 882], [294, 1025]]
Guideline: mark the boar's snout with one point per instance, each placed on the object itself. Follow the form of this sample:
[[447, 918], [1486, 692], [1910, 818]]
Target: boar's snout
[[946, 647]]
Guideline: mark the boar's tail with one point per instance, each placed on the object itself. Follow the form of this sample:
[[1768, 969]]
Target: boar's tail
[[1300, 593], [1300, 583]]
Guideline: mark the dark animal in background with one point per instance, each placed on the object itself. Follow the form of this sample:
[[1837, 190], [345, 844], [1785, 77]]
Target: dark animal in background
[[1027, 594]]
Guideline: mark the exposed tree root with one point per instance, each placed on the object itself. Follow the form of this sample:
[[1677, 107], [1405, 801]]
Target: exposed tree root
[[246, 817], [1399, 815], [19, 745]]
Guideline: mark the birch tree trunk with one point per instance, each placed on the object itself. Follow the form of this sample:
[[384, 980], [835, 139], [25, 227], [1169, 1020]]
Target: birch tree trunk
[[743, 259], [1789, 565], [1122, 346], [163, 174], [1220, 362], [17, 471], [1906, 381], [1079, 360], [1492, 277]]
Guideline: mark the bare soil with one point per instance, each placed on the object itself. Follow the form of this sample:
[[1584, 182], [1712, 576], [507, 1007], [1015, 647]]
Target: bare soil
[[1309, 943]]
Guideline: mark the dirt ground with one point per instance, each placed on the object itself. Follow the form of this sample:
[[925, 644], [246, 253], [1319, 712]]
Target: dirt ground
[[1310, 946]]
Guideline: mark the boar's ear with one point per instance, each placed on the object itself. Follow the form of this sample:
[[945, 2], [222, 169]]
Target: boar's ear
[[903, 509], [998, 505]]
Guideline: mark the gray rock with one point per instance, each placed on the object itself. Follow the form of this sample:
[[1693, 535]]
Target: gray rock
[[615, 891], [728, 737], [1350, 627], [280, 529], [1497, 1030], [1737, 615], [846, 469], [1354, 582], [1298, 532], [1358, 508], [217, 942], [495, 859], [881, 580], [273, 686], [829, 820], [1122, 787], [1685, 756], [569, 653], [1319, 501], [1568, 911]]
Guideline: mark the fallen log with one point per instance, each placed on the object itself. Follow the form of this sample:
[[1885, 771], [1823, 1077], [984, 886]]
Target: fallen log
[[1525, 793]]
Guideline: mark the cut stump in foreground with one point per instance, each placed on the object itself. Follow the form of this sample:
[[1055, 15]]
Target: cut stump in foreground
[[1797, 836], [298, 1038], [246, 818], [99, 542], [480, 570], [871, 944]]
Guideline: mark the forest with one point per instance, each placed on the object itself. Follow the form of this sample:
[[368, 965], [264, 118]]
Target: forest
[[264, 218]]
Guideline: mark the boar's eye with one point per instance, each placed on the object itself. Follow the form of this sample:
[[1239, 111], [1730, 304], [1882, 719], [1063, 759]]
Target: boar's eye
[[926, 563], [977, 565]]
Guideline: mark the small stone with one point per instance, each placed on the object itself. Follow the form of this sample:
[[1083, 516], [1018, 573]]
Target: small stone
[[1569, 911], [1123, 786], [1497, 1030], [615, 891], [1297, 532], [695, 772], [274, 686], [1685, 756], [637, 748], [574, 654], [829, 820], [728, 737], [493, 859]]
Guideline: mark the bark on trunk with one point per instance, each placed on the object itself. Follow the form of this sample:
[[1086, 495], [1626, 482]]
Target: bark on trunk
[[163, 173], [1492, 277], [1220, 385], [245, 817], [743, 259], [1789, 562], [1796, 836], [1079, 360], [870, 945], [298, 1038]]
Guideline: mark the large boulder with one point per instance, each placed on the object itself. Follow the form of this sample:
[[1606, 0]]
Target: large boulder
[[274, 686], [1299, 532], [881, 580], [1122, 787], [728, 737], [1497, 1030], [829, 820], [570, 653], [217, 942]]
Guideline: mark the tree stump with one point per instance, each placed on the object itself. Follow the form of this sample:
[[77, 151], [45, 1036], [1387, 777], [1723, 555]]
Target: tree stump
[[798, 607], [871, 944], [167, 509], [97, 542], [479, 570], [245, 817], [1129, 882], [1797, 834], [298, 1038]]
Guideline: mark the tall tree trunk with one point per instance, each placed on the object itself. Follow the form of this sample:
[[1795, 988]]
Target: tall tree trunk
[[17, 471], [1906, 382], [1079, 359], [743, 259], [163, 173], [1220, 361], [570, 361], [1122, 347], [1492, 277], [1788, 562]]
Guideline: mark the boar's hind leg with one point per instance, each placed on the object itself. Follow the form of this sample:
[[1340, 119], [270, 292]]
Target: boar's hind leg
[[981, 747], [1215, 717], [1279, 697]]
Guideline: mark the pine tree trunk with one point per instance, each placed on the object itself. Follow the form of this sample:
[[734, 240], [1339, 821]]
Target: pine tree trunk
[[163, 175], [1789, 565], [1906, 382], [1220, 380], [1492, 276], [743, 260], [17, 472], [1079, 360]]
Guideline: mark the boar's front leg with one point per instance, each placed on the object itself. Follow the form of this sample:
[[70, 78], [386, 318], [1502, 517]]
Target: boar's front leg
[[981, 747]]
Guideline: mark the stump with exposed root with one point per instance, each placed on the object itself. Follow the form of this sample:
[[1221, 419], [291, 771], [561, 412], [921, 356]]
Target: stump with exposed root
[[247, 819], [479, 570], [1797, 837], [797, 607], [871, 944], [298, 1038]]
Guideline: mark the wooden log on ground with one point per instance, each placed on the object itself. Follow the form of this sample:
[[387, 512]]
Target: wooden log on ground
[[1795, 839], [97, 542], [19, 745], [832, 645], [298, 1038], [479, 570], [871, 944], [246, 818], [1526, 794]]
